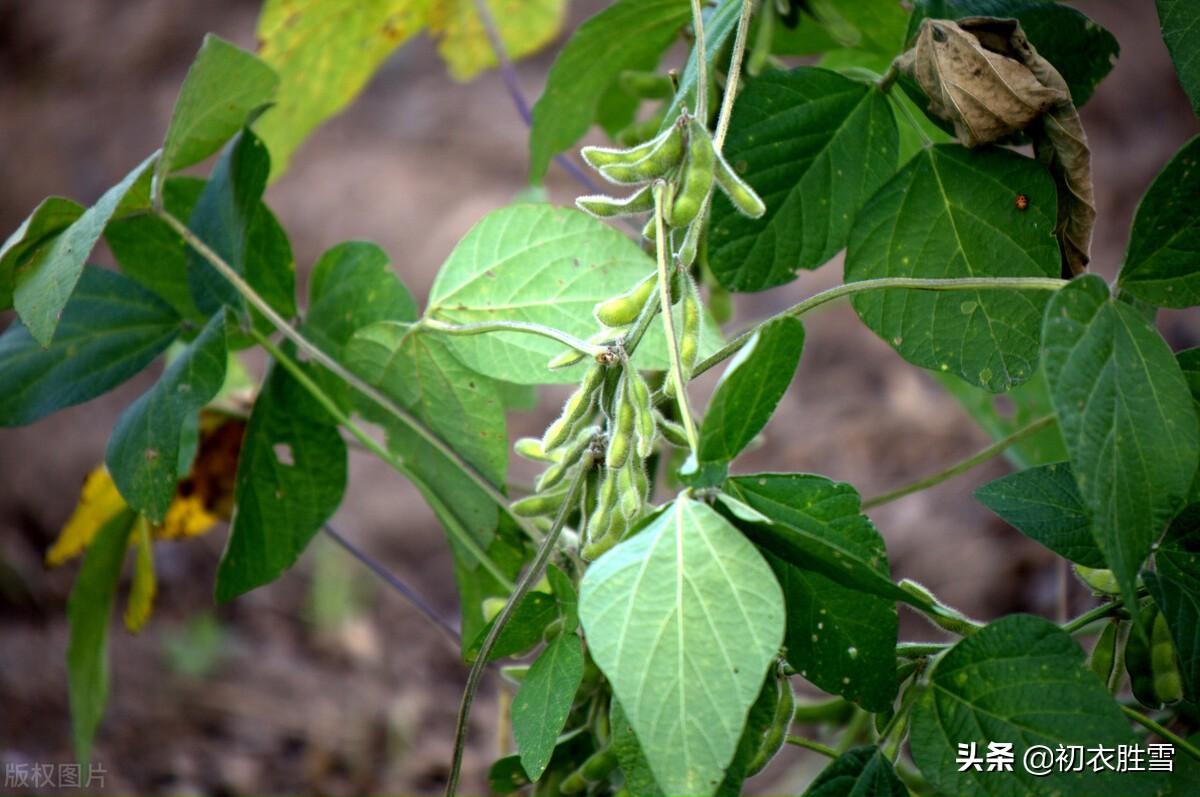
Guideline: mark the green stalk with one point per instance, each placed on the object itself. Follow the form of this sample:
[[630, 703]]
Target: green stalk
[[701, 64], [664, 296], [731, 79], [484, 327], [993, 450], [816, 747], [1170, 736], [884, 283]]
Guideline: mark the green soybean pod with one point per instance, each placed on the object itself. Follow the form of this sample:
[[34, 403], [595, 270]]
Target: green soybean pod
[[539, 504], [672, 432], [776, 734], [697, 177], [1138, 662], [629, 494], [1104, 654], [689, 336], [607, 207], [576, 408], [643, 412], [685, 254], [659, 162], [740, 194], [1164, 664], [624, 309], [646, 85], [650, 230], [620, 432], [531, 448], [597, 767], [598, 157]]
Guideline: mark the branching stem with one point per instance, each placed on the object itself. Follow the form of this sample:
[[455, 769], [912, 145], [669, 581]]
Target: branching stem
[[731, 79]]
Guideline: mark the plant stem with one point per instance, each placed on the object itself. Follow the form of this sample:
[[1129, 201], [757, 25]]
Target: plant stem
[[701, 64], [816, 747], [897, 724], [312, 350], [396, 584], [995, 449], [1092, 615], [731, 79], [370, 443], [484, 327], [853, 728], [912, 650], [832, 710], [1170, 736], [884, 283], [530, 577], [664, 297]]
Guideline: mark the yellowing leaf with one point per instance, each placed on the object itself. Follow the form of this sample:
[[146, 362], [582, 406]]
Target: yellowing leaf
[[325, 51], [187, 517], [99, 502], [145, 585], [525, 26]]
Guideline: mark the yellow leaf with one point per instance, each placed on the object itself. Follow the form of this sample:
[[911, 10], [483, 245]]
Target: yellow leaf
[[186, 517], [144, 587], [99, 502], [325, 51], [525, 26]]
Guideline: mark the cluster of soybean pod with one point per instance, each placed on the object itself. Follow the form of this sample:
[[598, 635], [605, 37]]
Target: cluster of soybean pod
[[677, 171]]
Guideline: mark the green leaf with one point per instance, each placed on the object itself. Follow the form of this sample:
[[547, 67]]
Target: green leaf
[[1000, 416], [522, 633], [629, 34], [816, 146], [1175, 586], [88, 613], [951, 213], [861, 772], [540, 709], [544, 265], [143, 452], [759, 720], [568, 597], [1180, 20], [47, 268], [841, 640], [39, 231], [111, 329], [290, 479], [1127, 418], [751, 388], [1162, 265], [719, 22], [231, 218], [223, 87], [324, 51], [639, 779], [1044, 504], [683, 619], [506, 547], [1082, 51], [151, 252], [878, 26], [817, 525], [1020, 680]]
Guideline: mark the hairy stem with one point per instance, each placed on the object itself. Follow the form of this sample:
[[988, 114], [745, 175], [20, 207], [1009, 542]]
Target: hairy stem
[[481, 328], [884, 283], [993, 450], [664, 296], [312, 350], [530, 577], [701, 63], [731, 80], [915, 650], [1169, 735], [370, 443], [1092, 615], [816, 747]]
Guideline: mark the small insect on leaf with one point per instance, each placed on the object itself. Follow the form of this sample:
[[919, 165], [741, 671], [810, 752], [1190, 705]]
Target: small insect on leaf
[[1022, 202]]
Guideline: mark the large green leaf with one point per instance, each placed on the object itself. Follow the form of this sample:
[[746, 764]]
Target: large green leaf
[[840, 639], [88, 613], [683, 619], [816, 146], [27, 243], [230, 217], [1044, 504], [110, 330], [639, 779], [325, 51], [151, 252], [544, 700], [143, 452], [629, 34], [223, 87], [1020, 680], [751, 388], [47, 268], [951, 213], [1162, 265], [1180, 20], [1082, 51], [524, 631], [877, 26], [290, 479], [1175, 585], [543, 265], [861, 772], [817, 524], [1127, 417]]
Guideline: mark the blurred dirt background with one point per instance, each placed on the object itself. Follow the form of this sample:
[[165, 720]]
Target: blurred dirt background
[[324, 681]]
